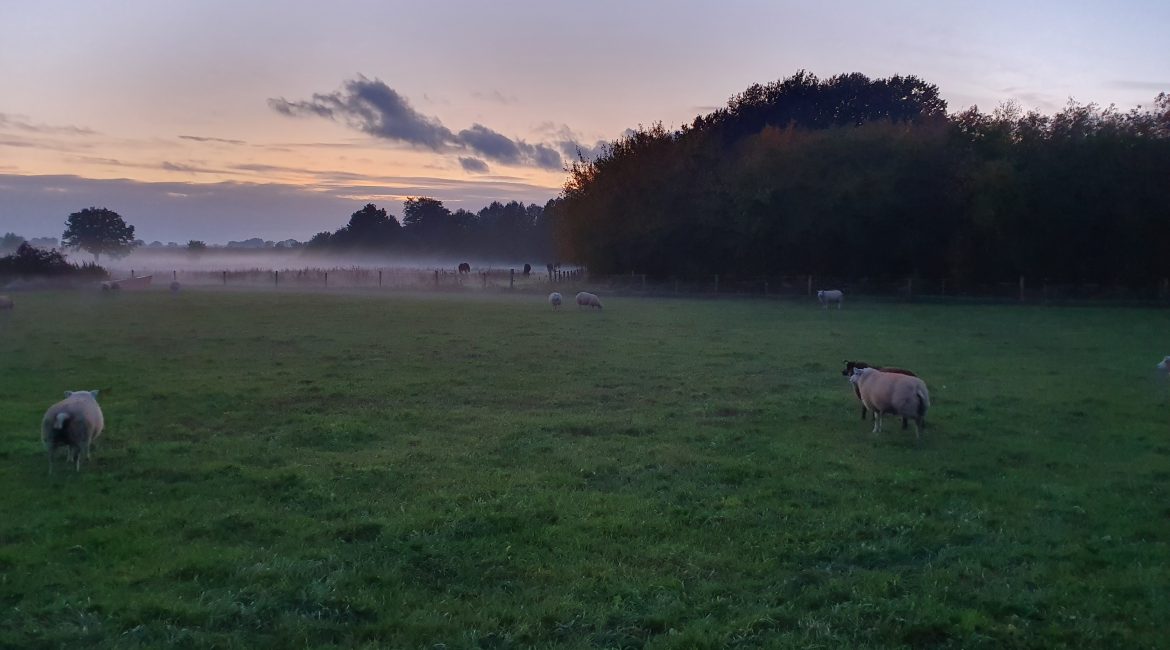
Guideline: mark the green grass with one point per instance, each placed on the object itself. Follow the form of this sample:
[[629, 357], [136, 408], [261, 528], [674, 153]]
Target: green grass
[[349, 470]]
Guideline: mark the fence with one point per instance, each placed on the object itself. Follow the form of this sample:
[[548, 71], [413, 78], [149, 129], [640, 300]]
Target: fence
[[789, 286]]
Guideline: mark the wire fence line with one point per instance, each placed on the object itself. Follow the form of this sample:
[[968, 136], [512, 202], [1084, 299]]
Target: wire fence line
[[780, 286]]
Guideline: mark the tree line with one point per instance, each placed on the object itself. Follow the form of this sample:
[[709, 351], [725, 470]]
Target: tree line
[[504, 230], [856, 177]]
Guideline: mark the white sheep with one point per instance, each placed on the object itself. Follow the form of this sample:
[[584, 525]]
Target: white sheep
[[554, 299], [832, 295], [6, 302], [893, 393], [74, 422], [586, 299]]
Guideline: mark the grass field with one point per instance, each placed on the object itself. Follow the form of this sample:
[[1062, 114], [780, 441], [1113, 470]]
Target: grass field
[[348, 470]]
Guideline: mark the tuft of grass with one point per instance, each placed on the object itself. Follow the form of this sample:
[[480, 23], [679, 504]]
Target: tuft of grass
[[368, 470]]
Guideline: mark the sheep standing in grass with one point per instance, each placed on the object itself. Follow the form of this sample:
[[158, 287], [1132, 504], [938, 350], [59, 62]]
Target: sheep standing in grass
[[832, 295], [74, 422], [554, 299], [850, 366], [586, 299], [893, 393]]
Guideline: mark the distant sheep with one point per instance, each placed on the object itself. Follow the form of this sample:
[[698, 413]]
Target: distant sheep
[[554, 299], [586, 299], [464, 267], [6, 302], [176, 287], [1165, 365], [893, 393], [74, 422], [832, 295], [850, 366]]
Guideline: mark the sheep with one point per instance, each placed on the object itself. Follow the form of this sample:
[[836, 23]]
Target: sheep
[[6, 302], [464, 267], [554, 299], [586, 299], [1165, 365], [890, 392], [832, 295], [176, 287], [74, 422], [848, 372]]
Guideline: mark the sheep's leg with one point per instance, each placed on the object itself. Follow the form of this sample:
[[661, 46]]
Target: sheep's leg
[[877, 421], [863, 411], [905, 424]]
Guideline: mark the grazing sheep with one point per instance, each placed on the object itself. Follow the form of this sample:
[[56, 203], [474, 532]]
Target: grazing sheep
[[6, 302], [74, 422], [832, 295], [890, 392], [586, 299], [554, 299], [176, 287], [848, 372], [1165, 365]]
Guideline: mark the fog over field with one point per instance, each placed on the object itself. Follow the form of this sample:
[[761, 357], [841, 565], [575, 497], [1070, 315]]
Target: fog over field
[[147, 260]]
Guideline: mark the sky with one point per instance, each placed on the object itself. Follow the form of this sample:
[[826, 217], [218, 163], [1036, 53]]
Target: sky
[[217, 120]]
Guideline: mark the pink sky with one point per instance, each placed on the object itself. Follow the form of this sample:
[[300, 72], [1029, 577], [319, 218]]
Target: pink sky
[[220, 120]]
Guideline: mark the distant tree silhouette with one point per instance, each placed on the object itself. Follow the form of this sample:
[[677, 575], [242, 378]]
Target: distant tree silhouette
[[369, 228], [98, 231], [10, 242]]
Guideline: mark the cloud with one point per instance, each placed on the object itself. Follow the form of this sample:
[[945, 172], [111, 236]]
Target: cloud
[[198, 138], [374, 108], [473, 165], [188, 169], [496, 96], [20, 123]]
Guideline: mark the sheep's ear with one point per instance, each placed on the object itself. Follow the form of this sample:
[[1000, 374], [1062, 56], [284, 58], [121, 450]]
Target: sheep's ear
[[95, 392]]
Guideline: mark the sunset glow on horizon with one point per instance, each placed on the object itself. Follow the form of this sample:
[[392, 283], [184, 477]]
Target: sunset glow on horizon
[[215, 121]]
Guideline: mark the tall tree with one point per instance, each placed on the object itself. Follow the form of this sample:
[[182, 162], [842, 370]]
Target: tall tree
[[98, 231]]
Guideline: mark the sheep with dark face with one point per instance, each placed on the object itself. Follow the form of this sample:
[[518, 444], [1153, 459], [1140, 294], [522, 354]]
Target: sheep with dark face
[[850, 366], [893, 393], [75, 422]]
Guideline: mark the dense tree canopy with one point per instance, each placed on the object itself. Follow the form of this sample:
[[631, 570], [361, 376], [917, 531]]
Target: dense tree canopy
[[867, 178]]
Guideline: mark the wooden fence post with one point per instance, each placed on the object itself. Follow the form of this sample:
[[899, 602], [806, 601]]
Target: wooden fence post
[[511, 279], [327, 278], [379, 278], [276, 278], [225, 278]]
